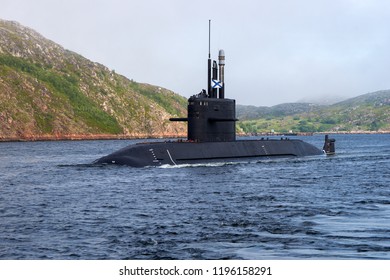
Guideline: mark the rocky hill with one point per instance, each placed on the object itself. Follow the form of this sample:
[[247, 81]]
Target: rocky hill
[[49, 92], [367, 112]]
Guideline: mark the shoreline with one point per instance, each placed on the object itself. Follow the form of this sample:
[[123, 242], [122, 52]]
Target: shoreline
[[313, 133], [86, 137]]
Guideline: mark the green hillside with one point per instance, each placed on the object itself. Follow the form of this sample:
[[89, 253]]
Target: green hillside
[[46, 90], [368, 112]]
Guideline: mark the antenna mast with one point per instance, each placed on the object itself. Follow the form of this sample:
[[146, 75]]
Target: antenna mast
[[209, 89], [209, 37]]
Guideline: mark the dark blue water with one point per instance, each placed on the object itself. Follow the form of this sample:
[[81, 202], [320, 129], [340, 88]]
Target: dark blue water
[[54, 205]]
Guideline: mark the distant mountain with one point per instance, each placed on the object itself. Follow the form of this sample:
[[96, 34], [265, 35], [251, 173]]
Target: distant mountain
[[47, 91], [322, 100], [375, 99], [252, 112], [368, 112]]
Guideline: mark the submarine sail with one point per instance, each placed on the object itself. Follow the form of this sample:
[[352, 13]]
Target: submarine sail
[[211, 134]]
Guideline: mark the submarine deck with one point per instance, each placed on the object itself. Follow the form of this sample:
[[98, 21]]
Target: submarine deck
[[187, 152]]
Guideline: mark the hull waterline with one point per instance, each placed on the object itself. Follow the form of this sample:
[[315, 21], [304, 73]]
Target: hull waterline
[[175, 153]]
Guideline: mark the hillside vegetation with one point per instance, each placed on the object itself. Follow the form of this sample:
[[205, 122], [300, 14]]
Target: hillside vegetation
[[47, 91], [368, 112]]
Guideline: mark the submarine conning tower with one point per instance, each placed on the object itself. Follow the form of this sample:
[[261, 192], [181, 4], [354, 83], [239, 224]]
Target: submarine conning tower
[[210, 116]]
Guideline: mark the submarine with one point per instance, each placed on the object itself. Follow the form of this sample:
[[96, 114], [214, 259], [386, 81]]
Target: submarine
[[211, 134]]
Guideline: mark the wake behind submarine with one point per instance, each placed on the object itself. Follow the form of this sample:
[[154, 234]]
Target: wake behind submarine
[[211, 136]]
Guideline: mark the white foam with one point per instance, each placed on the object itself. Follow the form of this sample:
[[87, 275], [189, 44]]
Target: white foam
[[209, 164]]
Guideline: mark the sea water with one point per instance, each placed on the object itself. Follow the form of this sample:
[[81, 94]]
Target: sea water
[[55, 204]]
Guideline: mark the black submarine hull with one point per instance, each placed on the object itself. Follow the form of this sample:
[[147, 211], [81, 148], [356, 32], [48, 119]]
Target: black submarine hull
[[176, 153]]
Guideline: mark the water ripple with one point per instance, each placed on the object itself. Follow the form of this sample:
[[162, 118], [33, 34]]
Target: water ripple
[[54, 204]]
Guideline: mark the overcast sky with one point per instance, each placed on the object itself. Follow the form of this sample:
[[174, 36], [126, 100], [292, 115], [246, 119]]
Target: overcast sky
[[277, 51]]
